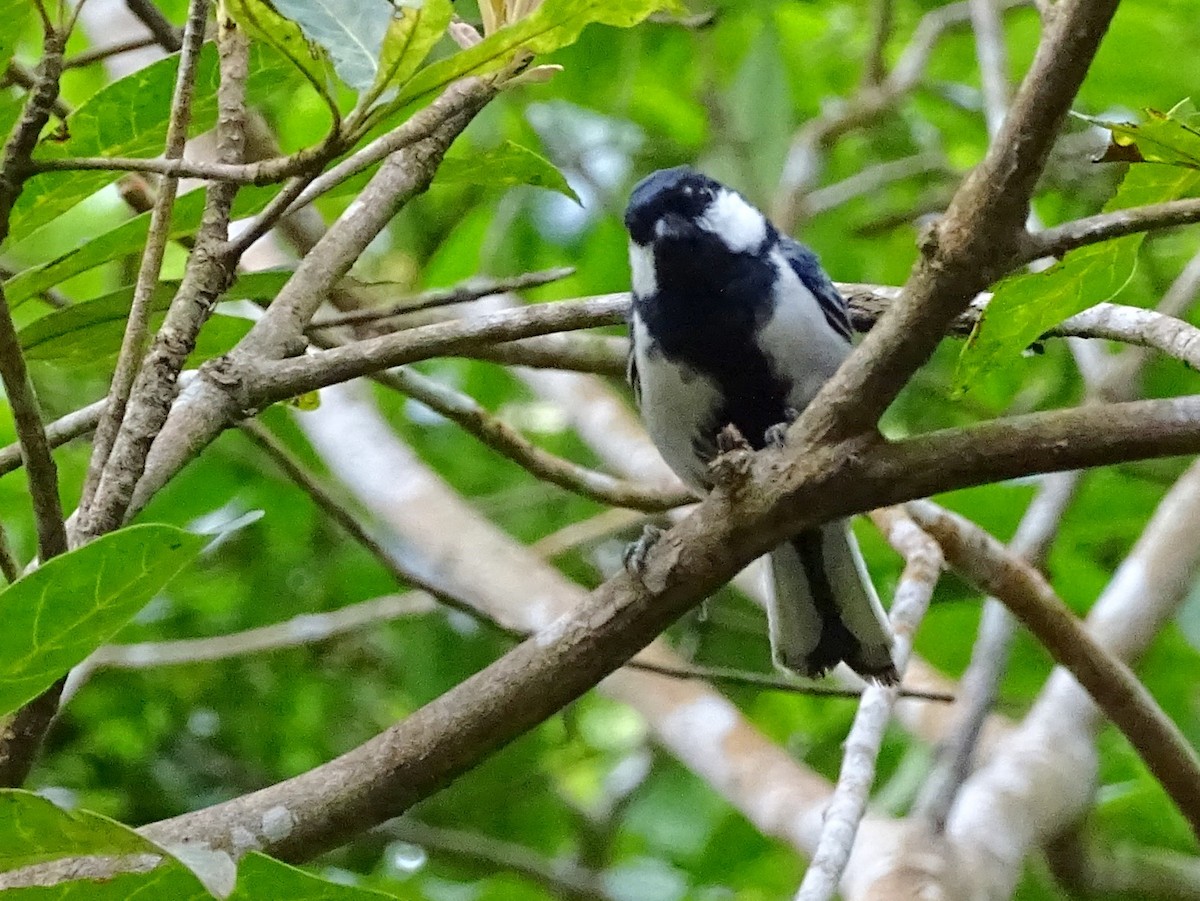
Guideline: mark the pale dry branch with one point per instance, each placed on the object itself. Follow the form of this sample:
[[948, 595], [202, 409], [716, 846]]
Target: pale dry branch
[[923, 568], [1157, 740], [1056, 241], [137, 326], [980, 682], [210, 270], [473, 289], [993, 61]]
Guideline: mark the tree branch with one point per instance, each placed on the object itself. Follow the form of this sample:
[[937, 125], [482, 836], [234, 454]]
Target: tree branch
[[922, 569], [137, 327], [973, 243], [209, 271], [1056, 241], [984, 561]]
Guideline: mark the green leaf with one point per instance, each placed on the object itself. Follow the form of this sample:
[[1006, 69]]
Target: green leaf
[[410, 37], [1162, 138], [262, 23], [1024, 306], [504, 166], [127, 118], [68, 607], [352, 33], [92, 330], [14, 16], [262, 877], [33, 830], [555, 24], [127, 239]]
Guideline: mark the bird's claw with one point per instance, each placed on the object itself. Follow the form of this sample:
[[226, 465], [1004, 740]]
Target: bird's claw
[[776, 435], [634, 558]]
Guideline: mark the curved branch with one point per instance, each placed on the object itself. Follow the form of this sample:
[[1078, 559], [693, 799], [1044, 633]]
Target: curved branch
[[1112, 685], [1054, 242]]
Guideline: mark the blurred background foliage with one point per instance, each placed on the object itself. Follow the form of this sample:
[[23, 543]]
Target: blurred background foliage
[[728, 96]]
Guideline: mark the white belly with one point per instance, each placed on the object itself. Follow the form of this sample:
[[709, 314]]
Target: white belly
[[678, 405]]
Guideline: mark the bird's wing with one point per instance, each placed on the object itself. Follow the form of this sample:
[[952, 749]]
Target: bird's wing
[[808, 269], [631, 372]]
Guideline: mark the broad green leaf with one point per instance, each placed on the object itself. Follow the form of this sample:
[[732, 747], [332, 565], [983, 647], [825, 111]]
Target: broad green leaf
[[351, 33], [260, 877], [1162, 138], [1024, 306], [261, 22], [556, 23], [69, 606], [164, 882], [92, 330], [507, 165], [14, 16], [127, 118], [34, 830], [127, 239], [410, 36]]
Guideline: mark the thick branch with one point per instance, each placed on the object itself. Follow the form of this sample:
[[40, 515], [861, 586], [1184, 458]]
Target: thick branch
[[1112, 685], [976, 239]]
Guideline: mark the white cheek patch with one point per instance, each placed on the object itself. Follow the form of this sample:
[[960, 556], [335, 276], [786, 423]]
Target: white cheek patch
[[736, 222], [641, 270]]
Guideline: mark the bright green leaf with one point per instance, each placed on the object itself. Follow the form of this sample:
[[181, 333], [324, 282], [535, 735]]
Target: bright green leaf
[[92, 330], [127, 239], [555, 24], [1025, 306], [351, 33], [504, 166], [127, 118], [14, 16], [69, 606], [410, 37], [33, 830], [1162, 138], [262, 877], [261, 22]]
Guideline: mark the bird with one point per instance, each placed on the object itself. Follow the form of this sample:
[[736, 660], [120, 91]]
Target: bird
[[733, 323]]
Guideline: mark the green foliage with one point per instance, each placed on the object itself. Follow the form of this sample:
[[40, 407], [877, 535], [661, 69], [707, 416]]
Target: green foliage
[[261, 878], [412, 33], [92, 330], [69, 606], [352, 34], [1025, 306], [590, 786], [555, 24], [14, 15], [503, 167]]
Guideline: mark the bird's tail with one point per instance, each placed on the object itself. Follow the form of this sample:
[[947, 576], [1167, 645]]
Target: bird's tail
[[824, 608]]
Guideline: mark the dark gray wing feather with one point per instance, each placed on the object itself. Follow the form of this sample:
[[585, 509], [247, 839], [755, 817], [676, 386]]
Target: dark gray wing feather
[[808, 268]]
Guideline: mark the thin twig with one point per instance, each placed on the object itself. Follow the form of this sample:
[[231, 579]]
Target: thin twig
[[882, 20], [476, 420], [166, 34], [9, 566], [474, 289], [97, 54], [993, 62], [988, 564], [137, 327], [1058, 240], [922, 569]]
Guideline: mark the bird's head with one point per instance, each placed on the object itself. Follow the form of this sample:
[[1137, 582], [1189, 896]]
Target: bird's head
[[683, 205]]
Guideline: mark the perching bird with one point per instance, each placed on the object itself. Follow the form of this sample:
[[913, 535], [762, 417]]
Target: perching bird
[[734, 323]]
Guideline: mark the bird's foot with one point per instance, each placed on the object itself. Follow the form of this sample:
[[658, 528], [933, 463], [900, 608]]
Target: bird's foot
[[634, 558], [776, 435], [731, 439]]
